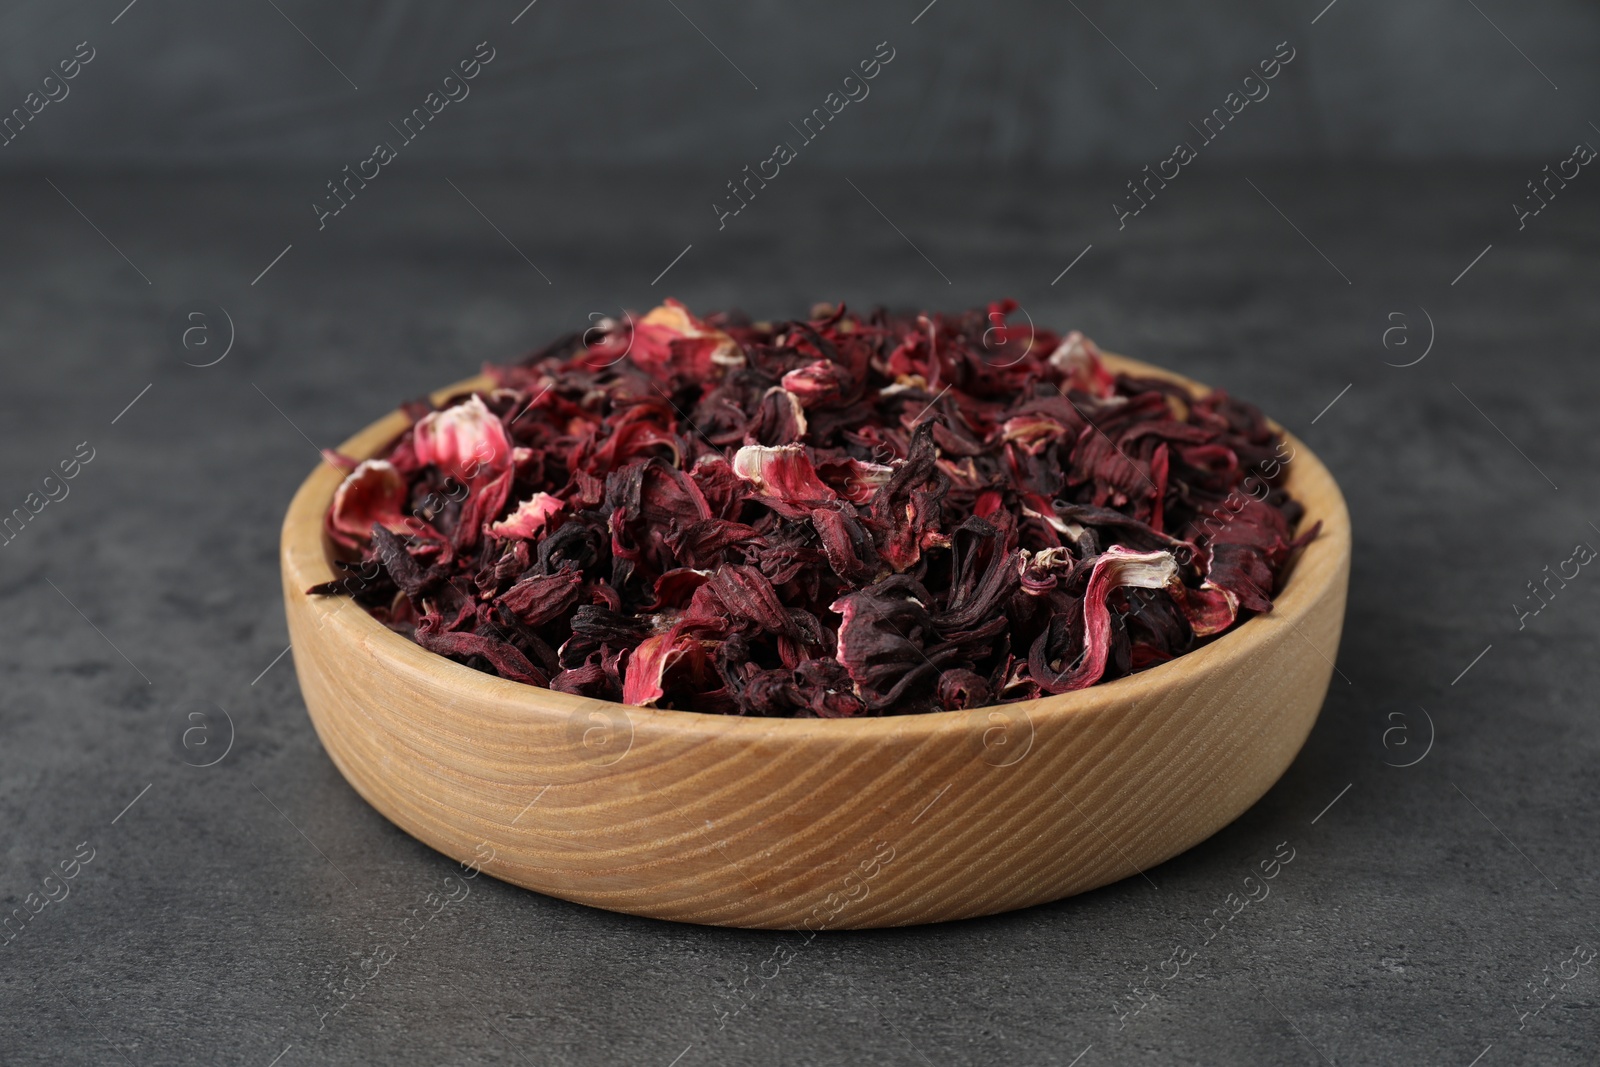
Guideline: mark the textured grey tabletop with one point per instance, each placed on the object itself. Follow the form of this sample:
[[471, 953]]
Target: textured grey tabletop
[[1429, 910]]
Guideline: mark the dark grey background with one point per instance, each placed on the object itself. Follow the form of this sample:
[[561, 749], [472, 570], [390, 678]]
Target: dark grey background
[[1421, 907], [185, 82]]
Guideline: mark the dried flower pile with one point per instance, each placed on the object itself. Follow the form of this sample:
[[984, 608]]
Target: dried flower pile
[[845, 515]]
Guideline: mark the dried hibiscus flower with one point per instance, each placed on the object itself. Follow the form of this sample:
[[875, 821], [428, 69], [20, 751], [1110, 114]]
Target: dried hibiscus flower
[[838, 516]]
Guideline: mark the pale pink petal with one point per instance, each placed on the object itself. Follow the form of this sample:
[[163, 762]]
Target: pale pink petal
[[1079, 358], [817, 382], [1033, 431], [373, 492], [465, 440], [529, 518]]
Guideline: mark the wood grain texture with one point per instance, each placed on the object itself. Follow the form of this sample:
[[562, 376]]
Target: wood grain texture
[[789, 823]]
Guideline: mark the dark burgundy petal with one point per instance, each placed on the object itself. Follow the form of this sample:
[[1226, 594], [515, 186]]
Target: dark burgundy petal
[[985, 572], [848, 545], [907, 512], [1243, 572], [402, 569], [704, 543], [961, 688], [779, 419], [882, 634], [540, 598], [507, 660], [588, 680]]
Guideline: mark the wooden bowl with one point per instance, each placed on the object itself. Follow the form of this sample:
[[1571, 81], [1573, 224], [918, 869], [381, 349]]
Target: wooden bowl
[[790, 823]]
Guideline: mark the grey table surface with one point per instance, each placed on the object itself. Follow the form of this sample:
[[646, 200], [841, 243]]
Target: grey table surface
[[1427, 909]]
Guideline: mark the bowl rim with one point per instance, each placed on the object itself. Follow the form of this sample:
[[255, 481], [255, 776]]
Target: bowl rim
[[305, 562]]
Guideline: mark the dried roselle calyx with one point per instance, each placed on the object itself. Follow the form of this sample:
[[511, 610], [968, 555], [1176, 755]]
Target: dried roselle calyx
[[839, 516]]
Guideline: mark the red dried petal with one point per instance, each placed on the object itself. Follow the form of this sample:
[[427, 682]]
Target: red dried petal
[[374, 492], [1209, 609], [679, 651], [1115, 568], [671, 344], [485, 499], [784, 475], [855, 480]]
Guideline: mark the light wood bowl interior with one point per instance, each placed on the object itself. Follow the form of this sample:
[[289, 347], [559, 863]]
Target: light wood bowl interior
[[790, 823]]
